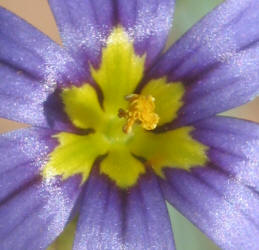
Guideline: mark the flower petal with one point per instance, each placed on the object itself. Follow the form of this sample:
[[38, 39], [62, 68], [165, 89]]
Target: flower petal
[[176, 148], [27, 50], [168, 98], [233, 147], [148, 22], [223, 208], [83, 107], [120, 71], [114, 219], [121, 167], [23, 152], [85, 25], [75, 155], [24, 99], [217, 60], [33, 213], [31, 66], [222, 198]]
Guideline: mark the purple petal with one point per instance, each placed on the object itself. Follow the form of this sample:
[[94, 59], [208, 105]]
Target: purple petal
[[149, 23], [217, 60], [31, 66], [24, 99], [114, 219], [26, 50], [23, 153], [233, 147], [33, 213], [224, 209], [85, 25], [222, 198]]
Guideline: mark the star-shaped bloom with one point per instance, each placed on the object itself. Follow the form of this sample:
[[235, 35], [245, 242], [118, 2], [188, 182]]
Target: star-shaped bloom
[[118, 127]]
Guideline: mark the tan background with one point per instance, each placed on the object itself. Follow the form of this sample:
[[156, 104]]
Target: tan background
[[38, 13]]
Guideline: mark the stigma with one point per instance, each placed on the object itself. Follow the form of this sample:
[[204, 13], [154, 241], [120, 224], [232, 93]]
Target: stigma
[[141, 110]]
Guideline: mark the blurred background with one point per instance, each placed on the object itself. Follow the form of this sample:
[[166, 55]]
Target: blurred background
[[187, 12]]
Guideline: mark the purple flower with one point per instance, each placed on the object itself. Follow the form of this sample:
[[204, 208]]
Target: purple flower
[[118, 127]]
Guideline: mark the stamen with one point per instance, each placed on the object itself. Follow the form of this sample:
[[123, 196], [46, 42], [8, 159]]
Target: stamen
[[141, 110]]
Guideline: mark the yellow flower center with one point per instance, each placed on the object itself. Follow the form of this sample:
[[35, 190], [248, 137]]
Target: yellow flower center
[[142, 110], [120, 142]]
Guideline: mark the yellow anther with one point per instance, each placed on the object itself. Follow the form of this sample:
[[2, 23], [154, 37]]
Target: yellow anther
[[141, 110]]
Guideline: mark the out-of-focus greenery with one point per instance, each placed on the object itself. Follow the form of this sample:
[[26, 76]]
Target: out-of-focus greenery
[[187, 13]]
